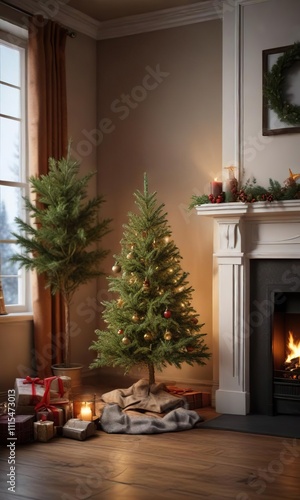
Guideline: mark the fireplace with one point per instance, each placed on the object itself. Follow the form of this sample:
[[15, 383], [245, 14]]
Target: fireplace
[[275, 335], [256, 287]]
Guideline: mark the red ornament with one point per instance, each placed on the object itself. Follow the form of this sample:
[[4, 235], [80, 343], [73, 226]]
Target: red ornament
[[167, 313], [190, 349], [120, 332], [195, 321]]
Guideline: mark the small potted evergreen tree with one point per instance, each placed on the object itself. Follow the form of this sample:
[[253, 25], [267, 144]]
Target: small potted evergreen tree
[[62, 241]]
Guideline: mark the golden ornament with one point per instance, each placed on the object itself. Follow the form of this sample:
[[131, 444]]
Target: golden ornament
[[135, 317], [125, 341], [116, 268], [148, 337], [129, 255], [120, 302], [167, 335]]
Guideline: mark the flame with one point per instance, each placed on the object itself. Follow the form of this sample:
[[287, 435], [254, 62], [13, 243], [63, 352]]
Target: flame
[[293, 347]]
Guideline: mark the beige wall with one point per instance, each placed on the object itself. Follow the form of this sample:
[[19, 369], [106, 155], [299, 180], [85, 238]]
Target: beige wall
[[171, 131], [272, 156], [81, 67], [174, 134]]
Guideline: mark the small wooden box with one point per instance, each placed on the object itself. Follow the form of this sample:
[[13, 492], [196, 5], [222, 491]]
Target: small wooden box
[[20, 431]]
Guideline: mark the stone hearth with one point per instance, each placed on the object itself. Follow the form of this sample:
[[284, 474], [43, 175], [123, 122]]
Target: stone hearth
[[243, 232]]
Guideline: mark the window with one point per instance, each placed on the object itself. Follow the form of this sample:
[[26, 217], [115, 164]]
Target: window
[[13, 166]]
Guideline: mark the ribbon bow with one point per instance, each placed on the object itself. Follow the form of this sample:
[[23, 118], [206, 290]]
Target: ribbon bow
[[45, 402], [33, 382]]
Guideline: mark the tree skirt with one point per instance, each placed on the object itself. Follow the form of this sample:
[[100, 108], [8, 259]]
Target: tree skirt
[[144, 409]]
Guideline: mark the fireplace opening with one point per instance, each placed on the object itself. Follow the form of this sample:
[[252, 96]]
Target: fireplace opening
[[274, 329], [286, 353]]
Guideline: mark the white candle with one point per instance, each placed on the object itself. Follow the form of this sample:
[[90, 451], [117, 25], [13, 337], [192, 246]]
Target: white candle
[[86, 413]]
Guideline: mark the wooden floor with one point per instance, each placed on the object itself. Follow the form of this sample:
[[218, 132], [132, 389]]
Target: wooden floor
[[194, 464]]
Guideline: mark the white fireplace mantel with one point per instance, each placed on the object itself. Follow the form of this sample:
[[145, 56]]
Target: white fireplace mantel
[[261, 230]]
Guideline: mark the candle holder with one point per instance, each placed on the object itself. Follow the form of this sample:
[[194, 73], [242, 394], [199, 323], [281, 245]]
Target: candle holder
[[88, 402], [231, 185]]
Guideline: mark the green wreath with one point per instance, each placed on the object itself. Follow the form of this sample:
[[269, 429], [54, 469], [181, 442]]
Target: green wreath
[[274, 86]]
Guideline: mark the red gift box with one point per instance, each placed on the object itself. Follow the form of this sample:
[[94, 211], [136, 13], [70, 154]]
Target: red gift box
[[20, 430], [53, 414], [195, 399]]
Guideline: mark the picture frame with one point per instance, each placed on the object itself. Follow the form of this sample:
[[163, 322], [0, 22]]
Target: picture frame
[[271, 123]]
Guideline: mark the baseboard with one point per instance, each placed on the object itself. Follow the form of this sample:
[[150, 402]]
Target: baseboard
[[114, 377]]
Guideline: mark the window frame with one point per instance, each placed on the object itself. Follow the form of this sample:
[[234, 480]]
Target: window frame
[[15, 37]]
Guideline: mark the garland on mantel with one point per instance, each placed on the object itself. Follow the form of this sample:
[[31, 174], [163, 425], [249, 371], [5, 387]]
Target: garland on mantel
[[251, 192]]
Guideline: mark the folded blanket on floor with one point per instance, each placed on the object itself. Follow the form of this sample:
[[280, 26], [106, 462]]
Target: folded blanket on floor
[[116, 421], [143, 396]]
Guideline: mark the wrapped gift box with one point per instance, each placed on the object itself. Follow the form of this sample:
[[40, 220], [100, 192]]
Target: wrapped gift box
[[43, 430], [25, 410], [66, 386], [30, 391], [23, 429], [54, 414], [79, 429], [195, 399]]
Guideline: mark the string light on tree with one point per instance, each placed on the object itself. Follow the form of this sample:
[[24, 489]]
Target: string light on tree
[[151, 289]]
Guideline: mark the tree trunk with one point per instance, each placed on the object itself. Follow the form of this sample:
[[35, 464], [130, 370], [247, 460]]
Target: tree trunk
[[151, 373], [67, 355]]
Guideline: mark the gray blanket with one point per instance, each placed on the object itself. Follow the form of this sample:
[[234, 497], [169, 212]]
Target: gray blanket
[[116, 421], [144, 409]]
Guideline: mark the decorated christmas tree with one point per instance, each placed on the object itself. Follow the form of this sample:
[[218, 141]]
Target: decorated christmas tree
[[150, 320]]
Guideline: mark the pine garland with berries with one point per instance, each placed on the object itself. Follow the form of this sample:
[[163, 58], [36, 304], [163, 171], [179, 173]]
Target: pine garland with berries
[[251, 192]]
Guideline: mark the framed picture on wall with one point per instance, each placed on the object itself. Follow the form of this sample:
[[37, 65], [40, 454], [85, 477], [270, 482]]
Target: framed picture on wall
[[281, 90]]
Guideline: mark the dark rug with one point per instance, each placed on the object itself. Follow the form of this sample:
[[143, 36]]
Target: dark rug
[[278, 425]]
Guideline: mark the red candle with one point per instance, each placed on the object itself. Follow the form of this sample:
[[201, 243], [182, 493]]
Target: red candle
[[216, 188]]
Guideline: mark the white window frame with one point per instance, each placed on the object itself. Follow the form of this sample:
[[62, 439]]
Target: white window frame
[[16, 37]]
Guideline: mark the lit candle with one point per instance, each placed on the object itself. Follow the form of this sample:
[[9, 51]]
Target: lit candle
[[86, 413], [216, 188]]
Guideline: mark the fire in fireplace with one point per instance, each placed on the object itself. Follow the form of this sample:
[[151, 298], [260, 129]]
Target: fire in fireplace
[[286, 354]]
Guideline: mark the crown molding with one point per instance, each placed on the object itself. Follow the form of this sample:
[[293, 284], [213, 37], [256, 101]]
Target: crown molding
[[130, 25], [60, 11], [158, 20]]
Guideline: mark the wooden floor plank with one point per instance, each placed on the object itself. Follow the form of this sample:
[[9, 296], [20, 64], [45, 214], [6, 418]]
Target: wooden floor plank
[[196, 464], [204, 464]]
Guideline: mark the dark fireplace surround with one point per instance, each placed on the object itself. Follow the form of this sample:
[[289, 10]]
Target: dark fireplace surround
[[274, 311], [256, 274]]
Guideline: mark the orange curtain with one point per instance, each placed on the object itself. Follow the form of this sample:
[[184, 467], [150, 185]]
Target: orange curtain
[[47, 137]]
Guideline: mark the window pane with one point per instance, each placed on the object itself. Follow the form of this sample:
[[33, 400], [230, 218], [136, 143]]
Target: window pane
[[11, 275], [9, 101], [10, 161], [9, 65], [11, 206]]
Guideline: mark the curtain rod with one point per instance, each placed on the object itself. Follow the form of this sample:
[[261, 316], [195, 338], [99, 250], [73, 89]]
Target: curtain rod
[[70, 33]]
